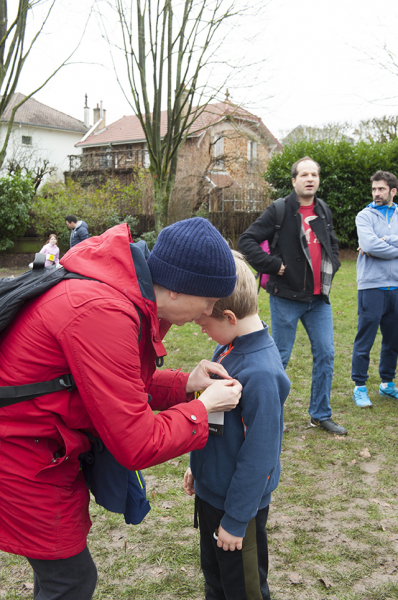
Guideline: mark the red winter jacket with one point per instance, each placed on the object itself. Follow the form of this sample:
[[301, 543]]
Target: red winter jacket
[[91, 330]]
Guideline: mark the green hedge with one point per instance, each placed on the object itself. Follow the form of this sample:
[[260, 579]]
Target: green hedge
[[345, 172], [16, 193]]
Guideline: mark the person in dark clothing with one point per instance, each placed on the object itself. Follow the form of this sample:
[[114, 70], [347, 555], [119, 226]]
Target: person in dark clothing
[[79, 230], [301, 268], [234, 475]]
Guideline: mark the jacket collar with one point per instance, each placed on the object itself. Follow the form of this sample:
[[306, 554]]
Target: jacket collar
[[294, 199]]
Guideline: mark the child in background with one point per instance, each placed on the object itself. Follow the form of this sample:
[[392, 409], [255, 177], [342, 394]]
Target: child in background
[[51, 251], [234, 475]]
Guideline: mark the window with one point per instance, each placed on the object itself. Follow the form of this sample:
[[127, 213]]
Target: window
[[251, 150], [27, 140], [218, 150], [107, 157], [251, 156]]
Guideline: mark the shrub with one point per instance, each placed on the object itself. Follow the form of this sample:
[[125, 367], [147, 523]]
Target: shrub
[[16, 193], [101, 208], [149, 237], [345, 176]]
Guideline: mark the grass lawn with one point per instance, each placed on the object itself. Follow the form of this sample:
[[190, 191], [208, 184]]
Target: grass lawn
[[333, 530]]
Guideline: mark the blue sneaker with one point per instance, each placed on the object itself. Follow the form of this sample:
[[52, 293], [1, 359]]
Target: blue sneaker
[[361, 398], [390, 390]]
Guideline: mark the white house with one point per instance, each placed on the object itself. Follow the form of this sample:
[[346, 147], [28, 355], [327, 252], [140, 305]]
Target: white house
[[40, 133]]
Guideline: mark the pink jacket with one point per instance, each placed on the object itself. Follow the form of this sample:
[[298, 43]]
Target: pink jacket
[[54, 250], [43, 496]]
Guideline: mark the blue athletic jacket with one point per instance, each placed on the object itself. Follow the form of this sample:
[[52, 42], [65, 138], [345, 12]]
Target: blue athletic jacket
[[238, 471]]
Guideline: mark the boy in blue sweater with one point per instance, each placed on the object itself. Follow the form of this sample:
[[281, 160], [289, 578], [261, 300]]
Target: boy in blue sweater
[[234, 475]]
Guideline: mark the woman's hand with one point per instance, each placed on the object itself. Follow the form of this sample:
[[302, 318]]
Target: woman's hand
[[223, 395], [199, 379]]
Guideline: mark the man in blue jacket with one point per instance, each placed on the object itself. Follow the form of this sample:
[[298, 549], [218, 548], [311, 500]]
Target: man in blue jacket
[[377, 277], [79, 230]]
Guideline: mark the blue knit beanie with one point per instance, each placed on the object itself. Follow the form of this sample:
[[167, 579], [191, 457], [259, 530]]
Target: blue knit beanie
[[191, 257]]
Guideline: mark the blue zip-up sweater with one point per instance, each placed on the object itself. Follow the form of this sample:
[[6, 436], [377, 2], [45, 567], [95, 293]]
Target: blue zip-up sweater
[[238, 471], [380, 269]]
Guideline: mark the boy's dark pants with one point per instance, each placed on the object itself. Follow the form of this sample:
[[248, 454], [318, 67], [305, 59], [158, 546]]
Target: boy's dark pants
[[238, 575]]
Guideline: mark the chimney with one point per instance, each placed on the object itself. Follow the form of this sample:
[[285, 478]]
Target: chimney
[[99, 114], [86, 114]]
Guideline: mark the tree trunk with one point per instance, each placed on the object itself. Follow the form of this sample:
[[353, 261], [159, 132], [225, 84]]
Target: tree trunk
[[158, 197]]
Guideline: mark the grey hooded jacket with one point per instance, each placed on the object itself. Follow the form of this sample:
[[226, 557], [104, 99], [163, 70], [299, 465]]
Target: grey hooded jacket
[[377, 265]]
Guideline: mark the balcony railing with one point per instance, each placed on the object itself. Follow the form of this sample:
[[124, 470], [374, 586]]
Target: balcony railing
[[112, 159]]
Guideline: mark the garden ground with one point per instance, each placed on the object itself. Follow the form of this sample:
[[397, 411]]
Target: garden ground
[[333, 530]]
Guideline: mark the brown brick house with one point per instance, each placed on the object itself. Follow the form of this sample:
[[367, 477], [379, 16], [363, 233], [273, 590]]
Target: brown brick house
[[220, 163]]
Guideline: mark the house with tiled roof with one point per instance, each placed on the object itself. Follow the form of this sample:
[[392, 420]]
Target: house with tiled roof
[[40, 132], [222, 158]]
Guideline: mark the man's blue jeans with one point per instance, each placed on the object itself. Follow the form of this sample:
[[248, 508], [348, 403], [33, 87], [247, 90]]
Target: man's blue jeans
[[376, 307], [316, 316]]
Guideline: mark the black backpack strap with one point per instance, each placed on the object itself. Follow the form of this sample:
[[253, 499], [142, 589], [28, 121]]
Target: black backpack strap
[[19, 393], [280, 215], [70, 275]]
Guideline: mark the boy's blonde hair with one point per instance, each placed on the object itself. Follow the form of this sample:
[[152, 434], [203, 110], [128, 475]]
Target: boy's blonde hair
[[243, 301]]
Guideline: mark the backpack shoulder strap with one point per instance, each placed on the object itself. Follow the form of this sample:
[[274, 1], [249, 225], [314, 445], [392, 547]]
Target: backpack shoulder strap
[[13, 394], [280, 207]]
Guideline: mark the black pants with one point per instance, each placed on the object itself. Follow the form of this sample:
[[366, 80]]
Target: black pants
[[71, 578], [238, 575]]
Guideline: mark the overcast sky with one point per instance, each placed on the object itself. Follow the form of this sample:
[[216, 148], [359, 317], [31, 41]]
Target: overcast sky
[[317, 69]]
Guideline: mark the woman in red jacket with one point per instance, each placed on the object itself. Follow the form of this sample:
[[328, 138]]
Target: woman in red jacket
[[108, 333]]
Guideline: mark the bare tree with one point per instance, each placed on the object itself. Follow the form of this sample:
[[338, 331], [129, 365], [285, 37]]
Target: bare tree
[[334, 132], [29, 160], [14, 51], [169, 49], [379, 129]]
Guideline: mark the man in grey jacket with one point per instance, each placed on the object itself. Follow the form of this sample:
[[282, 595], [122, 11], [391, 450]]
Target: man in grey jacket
[[377, 277], [79, 230]]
